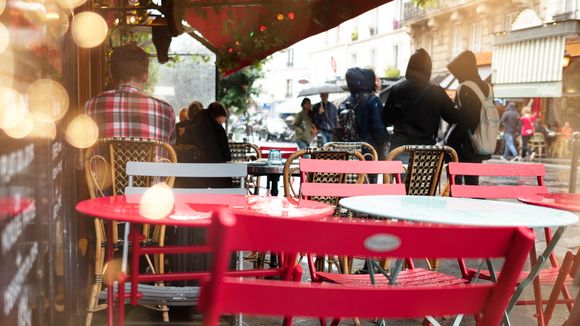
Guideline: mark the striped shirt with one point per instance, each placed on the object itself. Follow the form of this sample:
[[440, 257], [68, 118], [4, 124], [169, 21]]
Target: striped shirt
[[126, 112]]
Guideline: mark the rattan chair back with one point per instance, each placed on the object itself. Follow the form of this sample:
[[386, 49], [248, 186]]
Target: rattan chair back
[[424, 168], [105, 174], [366, 149], [244, 152], [321, 154]]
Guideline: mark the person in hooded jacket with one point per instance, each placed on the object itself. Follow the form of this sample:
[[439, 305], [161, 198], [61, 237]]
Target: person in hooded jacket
[[464, 68], [510, 121], [415, 106], [211, 140], [368, 107]]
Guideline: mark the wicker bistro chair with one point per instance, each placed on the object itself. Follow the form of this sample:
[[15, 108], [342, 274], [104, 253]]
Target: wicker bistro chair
[[105, 174], [246, 152], [321, 154], [424, 168], [368, 151]]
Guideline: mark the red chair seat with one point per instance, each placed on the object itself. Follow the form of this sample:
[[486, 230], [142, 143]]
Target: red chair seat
[[547, 275], [407, 278]]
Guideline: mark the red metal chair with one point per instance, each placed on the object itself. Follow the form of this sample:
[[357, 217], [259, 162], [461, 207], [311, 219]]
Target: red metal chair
[[284, 151], [224, 294], [533, 177]]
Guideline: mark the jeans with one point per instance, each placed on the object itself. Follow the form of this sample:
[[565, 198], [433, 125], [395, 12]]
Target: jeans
[[302, 144], [525, 149], [326, 136], [509, 145]]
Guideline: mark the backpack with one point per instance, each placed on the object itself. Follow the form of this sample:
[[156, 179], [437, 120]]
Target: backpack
[[484, 138], [346, 129]]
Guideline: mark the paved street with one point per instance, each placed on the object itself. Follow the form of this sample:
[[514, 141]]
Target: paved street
[[556, 180]]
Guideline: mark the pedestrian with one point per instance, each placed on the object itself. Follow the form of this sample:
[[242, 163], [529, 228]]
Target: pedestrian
[[510, 121], [415, 106], [464, 68], [126, 111], [183, 128], [303, 126], [368, 108], [325, 117], [527, 131]]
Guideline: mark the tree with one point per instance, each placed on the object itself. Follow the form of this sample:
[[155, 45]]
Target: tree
[[235, 90]]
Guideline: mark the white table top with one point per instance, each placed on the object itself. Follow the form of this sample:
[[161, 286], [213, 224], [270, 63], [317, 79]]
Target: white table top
[[459, 211]]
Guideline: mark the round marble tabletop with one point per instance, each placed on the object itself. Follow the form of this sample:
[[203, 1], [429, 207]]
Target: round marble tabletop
[[459, 211]]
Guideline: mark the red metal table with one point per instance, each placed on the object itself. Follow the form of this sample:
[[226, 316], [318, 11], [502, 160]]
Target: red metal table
[[565, 201], [188, 210]]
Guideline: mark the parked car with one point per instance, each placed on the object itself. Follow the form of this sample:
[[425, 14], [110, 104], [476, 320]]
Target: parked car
[[278, 130]]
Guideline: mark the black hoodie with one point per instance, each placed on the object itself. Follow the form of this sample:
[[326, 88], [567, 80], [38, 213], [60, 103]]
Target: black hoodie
[[464, 68], [415, 106]]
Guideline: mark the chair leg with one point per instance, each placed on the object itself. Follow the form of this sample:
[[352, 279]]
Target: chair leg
[[537, 290], [559, 287], [93, 301]]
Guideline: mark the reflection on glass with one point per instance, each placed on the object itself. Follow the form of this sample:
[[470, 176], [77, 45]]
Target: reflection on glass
[[12, 108], [82, 132], [89, 29], [48, 100], [4, 38], [69, 4], [23, 129]]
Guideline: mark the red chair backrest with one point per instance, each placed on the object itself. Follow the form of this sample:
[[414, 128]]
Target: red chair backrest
[[387, 168], [537, 171], [223, 294], [284, 151]]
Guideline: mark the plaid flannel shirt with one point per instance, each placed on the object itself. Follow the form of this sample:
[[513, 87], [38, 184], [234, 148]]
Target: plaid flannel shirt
[[126, 112]]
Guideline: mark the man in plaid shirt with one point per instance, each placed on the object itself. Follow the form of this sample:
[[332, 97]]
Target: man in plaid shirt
[[125, 111]]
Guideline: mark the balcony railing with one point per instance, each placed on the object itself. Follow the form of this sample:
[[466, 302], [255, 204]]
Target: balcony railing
[[410, 11]]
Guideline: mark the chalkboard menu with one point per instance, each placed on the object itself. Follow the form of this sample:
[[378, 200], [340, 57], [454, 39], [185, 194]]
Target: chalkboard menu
[[30, 230]]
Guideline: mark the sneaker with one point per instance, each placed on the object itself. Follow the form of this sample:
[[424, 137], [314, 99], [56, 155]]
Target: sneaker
[[503, 158], [516, 158], [532, 156]]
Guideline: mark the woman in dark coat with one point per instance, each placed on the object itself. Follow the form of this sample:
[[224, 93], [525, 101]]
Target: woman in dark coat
[[464, 68], [211, 140], [415, 106]]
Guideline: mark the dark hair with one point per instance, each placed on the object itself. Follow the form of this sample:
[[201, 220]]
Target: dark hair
[[127, 62], [216, 109], [306, 99], [193, 108]]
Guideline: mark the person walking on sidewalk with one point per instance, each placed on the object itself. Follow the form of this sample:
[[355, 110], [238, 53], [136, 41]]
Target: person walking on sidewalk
[[325, 117], [510, 121], [527, 131], [303, 126]]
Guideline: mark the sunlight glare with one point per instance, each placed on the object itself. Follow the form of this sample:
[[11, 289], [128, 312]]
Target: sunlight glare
[[4, 38], [89, 29], [157, 202], [23, 129], [82, 132], [48, 100], [12, 108], [70, 4]]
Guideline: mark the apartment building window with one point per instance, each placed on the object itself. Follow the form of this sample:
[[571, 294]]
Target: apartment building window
[[354, 33], [475, 37], [456, 40], [353, 59], [374, 23], [288, 88], [396, 56], [570, 6], [373, 58], [290, 61]]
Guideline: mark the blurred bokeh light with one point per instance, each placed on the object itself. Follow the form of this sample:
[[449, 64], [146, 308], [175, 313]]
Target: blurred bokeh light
[[12, 108], [23, 129], [69, 4], [82, 132], [157, 202], [48, 100], [89, 29]]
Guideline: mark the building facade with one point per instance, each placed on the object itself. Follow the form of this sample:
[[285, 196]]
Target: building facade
[[376, 39]]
